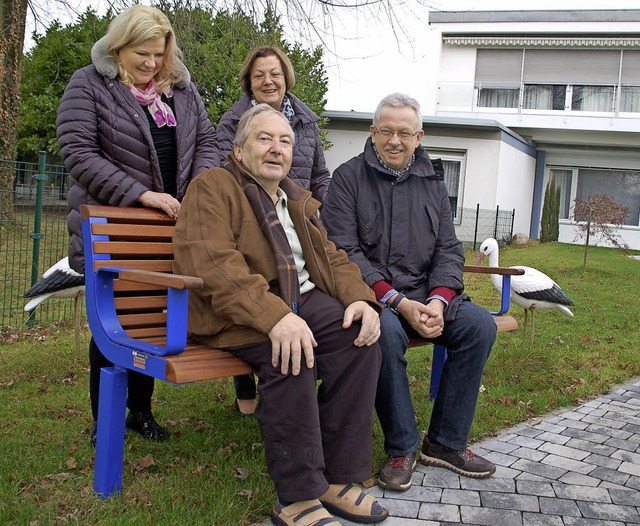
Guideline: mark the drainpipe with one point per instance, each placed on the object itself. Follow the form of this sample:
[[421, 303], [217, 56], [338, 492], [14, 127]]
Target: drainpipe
[[538, 191]]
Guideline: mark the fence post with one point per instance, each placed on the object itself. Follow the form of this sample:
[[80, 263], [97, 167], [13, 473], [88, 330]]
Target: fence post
[[475, 229], [495, 226], [513, 220], [37, 221]]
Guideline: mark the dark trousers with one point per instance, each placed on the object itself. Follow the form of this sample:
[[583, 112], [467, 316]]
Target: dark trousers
[[139, 389], [315, 435]]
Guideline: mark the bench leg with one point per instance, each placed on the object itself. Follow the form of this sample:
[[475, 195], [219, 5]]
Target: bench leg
[[110, 439], [439, 357]]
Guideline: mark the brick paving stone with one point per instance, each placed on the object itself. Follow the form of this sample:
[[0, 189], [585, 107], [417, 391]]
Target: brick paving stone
[[401, 507], [460, 497], [531, 487], [497, 445], [534, 478], [397, 521], [529, 432], [628, 467], [420, 493], [611, 512], [490, 517], [539, 519], [605, 462], [576, 521], [503, 472], [564, 491], [573, 424], [500, 459], [564, 451], [550, 428], [611, 485], [557, 506], [528, 442], [628, 497], [490, 484], [506, 437], [439, 478], [632, 428], [611, 475], [627, 444], [440, 512], [555, 438], [608, 431], [633, 482], [575, 415], [589, 436], [568, 464], [603, 421], [417, 477], [627, 456], [578, 479], [509, 501], [591, 447], [529, 454], [537, 468]]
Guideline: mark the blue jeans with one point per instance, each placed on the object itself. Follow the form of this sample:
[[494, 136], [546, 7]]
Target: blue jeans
[[468, 339]]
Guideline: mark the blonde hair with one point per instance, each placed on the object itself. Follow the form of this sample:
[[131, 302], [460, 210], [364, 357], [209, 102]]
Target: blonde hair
[[139, 24], [266, 51]]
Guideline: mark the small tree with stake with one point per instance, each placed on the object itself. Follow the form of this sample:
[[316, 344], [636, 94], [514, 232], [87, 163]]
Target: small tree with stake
[[550, 223], [599, 215]]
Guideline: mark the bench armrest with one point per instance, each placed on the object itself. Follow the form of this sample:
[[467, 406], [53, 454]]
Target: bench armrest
[[177, 307], [506, 273]]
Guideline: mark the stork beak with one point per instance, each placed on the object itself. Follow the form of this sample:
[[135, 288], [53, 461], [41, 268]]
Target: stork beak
[[480, 258]]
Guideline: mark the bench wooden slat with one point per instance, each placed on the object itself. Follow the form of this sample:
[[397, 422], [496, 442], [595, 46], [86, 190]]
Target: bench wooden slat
[[130, 215], [133, 248], [200, 365], [148, 334], [148, 319], [140, 303], [154, 265], [122, 286], [134, 232]]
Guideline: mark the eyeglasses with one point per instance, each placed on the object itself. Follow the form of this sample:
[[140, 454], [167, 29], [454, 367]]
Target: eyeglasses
[[274, 75], [402, 135]]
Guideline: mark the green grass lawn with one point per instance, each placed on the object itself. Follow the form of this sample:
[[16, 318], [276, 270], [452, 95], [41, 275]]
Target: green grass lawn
[[212, 470]]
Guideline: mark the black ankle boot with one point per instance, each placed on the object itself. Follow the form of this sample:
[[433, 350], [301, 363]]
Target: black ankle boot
[[145, 424]]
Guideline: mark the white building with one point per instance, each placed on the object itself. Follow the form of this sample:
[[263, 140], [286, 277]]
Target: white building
[[524, 96]]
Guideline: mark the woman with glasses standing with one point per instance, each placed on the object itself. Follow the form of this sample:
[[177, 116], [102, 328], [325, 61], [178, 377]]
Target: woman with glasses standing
[[267, 76]]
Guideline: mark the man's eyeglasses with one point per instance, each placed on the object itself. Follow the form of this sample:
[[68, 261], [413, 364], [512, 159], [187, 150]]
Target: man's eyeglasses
[[402, 135], [274, 75]]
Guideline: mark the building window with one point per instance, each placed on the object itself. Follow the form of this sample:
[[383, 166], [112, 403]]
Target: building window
[[630, 99], [453, 163], [498, 98], [563, 180], [593, 98], [623, 186], [545, 97]]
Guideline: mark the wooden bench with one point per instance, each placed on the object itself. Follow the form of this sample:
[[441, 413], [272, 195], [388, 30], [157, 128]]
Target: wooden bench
[[137, 312]]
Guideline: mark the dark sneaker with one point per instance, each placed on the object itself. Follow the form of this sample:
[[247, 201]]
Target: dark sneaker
[[145, 424], [396, 473], [463, 463]]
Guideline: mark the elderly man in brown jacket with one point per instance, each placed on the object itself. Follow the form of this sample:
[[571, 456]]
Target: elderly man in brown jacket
[[280, 296]]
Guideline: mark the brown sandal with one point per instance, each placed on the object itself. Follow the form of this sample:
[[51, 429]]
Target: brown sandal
[[246, 407], [350, 502], [303, 513]]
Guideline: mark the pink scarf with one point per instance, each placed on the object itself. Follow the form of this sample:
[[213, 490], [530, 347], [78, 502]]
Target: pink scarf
[[159, 110]]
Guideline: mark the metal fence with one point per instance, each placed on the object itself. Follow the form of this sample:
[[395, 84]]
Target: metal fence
[[36, 237], [32, 239]]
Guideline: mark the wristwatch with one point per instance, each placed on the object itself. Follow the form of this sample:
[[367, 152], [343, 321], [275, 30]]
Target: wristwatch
[[394, 304]]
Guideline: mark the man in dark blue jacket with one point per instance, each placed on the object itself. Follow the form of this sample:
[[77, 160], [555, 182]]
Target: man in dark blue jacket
[[388, 208]]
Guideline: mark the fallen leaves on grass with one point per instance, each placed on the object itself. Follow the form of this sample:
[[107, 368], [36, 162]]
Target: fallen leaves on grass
[[241, 473]]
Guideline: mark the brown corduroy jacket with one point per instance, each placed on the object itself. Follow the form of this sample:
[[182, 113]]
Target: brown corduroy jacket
[[218, 238]]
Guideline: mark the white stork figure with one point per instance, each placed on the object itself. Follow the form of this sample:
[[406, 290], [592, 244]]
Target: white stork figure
[[59, 281], [532, 290]]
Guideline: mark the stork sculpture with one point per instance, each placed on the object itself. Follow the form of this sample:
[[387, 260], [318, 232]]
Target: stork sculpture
[[59, 281], [533, 290]]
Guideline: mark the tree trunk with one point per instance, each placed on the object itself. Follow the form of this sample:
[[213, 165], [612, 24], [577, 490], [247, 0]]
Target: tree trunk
[[12, 25]]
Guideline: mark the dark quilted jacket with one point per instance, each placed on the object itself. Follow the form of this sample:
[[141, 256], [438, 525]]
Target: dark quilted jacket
[[308, 167], [106, 145]]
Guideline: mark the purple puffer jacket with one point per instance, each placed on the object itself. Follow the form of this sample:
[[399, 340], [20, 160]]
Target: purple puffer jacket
[[308, 167], [106, 145]]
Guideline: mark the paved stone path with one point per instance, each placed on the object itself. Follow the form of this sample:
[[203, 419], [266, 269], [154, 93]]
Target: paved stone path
[[578, 467]]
